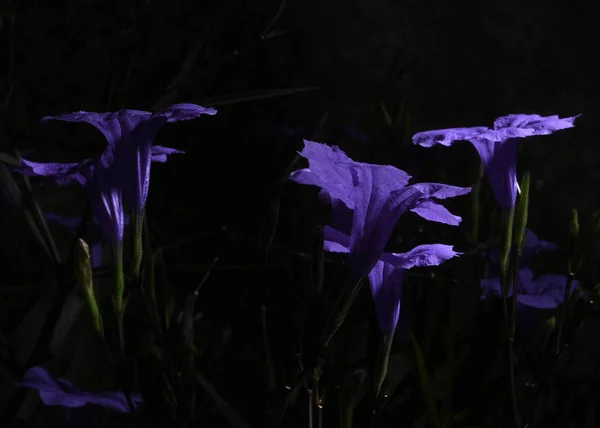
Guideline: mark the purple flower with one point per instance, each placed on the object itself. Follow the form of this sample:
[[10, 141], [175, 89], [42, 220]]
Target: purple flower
[[130, 134], [100, 182], [61, 392], [498, 147], [545, 292], [387, 276], [377, 195]]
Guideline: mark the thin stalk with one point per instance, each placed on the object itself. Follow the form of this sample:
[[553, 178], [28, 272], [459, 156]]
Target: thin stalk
[[563, 311], [267, 346], [310, 407], [339, 312], [383, 361], [511, 339]]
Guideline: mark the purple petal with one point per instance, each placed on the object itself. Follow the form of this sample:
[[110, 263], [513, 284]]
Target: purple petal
[[159, 153], [545, 292], [63, 174], [335, 241], [446, 137], [422, 255], [341, 216], [386, 288], [440, 191], [500, 163], [185, 111], [107, 123], [329, 168], [105, 197], [60, 392], [538, 124], [432, 211]]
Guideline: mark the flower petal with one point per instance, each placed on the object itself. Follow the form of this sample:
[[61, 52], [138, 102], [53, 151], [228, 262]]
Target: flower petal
[[185, 111], [63, 174], [335, 241], [422, 255], [159, 153], [446, 137], [538, 124], [107, 123], [500, 163], [433, 211], [440, 191], [386, 288]]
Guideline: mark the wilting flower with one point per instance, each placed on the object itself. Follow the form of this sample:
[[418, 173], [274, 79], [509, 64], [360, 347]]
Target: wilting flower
[[545, 292], [498, 147], [100, 182], [61, 392], [130, 134], [377, 196], [387, 276]]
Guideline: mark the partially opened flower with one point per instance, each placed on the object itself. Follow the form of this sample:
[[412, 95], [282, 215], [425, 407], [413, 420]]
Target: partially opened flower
[[61, 392], [387, 276], [498, 147], [545, 292], [100, 182], [377, 195], [131, 134]]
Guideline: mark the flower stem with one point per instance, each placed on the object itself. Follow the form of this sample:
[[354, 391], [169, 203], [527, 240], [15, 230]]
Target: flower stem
[[383, 361], [339, 312], [505, 256], [138, 223], [511, 339], [563, 311]]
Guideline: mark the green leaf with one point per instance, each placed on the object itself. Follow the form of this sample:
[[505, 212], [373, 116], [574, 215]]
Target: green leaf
[[432, 411], [234, 419]]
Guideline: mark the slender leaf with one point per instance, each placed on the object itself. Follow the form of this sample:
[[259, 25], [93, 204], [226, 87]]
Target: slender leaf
[[234, 419]]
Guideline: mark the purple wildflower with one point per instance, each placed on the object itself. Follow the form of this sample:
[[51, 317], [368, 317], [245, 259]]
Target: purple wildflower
[[130, 134], [387, 276], [545, 292], [61, 392], [498, 147], [377, 195]]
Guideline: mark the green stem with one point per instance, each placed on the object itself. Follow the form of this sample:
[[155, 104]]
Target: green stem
[[505, 256], [383, 361], [119, 281], [511, 339], [339, 312], [563, 311], [138, 223]]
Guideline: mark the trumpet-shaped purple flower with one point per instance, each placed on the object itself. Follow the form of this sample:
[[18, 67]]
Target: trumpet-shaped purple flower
[[131, 133], [61, 392], [377, 195], [498, 147], [100, 183], [387, 276], [545, 292]]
